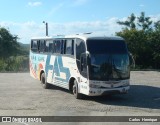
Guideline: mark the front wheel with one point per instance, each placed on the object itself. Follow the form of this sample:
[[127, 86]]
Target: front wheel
[[44, 82], [75, 90]]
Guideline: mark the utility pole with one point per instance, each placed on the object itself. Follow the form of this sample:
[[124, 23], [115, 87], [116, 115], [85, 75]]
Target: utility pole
[[46, 27]]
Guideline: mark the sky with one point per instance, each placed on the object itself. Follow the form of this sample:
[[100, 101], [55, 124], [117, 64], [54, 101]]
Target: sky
[[25, 17]]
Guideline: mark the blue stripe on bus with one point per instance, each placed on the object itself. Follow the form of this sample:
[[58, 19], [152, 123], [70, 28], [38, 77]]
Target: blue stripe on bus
[[63, 69], [57, 68]]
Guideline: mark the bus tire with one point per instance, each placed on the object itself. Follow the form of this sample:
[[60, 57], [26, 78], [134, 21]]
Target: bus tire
[[75, 90], [43, 81]]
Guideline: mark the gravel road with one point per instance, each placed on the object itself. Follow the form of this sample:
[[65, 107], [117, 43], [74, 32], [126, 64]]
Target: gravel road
[[21, 95]]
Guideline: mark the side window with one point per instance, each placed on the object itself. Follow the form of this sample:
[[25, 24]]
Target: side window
[[34, 45], [38, 44], [57, 46], [54, 46], [63, 46], [69, 47], [42, 46], [49, 46], [80, 48]]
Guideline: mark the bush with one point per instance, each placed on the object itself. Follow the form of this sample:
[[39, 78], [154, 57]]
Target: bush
[[15, 63]]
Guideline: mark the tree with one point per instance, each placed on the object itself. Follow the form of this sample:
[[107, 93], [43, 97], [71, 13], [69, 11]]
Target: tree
[[143, 42], [138, 45], [130, 22], [157, 25], [13, 57], [154, 38], [8, 43], [144, 22]]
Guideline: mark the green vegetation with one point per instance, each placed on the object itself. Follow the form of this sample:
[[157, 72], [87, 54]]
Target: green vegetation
[[143, 39], [14, 63], [13, 55]]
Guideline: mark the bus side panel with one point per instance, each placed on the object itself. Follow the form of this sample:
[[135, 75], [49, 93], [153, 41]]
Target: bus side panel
[[60, 69], [70, 63]]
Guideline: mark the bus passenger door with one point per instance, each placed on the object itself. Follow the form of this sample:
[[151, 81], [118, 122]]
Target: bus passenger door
[[83, 67]]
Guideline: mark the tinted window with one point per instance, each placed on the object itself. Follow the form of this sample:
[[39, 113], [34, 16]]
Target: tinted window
[[42, 46], [57, 46], [34, 46], [54, 46], [63, 46], [80, 48], [69, 47], [49, 46], [106, 46], [38, 44]]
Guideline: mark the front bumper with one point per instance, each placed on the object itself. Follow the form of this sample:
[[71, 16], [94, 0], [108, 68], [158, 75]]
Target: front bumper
[[100, 91]]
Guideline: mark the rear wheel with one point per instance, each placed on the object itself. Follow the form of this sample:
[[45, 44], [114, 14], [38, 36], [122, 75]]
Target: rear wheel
[[75, 90], [44, 82]]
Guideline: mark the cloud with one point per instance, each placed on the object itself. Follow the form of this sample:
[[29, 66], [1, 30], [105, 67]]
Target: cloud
[[27, 30], [34, 4], [141, 5], [24, 30], [107, 27], [30, 29], [155, 18]]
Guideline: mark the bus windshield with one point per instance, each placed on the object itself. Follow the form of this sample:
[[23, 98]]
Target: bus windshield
[[109, 60]]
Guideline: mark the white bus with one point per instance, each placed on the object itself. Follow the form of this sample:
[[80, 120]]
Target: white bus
[[84, 64]]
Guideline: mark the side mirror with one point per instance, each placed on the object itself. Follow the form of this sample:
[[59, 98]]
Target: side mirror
[[131, 60]]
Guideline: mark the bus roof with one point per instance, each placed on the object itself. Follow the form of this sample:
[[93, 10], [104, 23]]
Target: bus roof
[[92, 36], [81, 36], [41, 38]]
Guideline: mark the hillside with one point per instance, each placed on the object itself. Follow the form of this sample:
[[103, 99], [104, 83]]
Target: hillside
[[25, 46], [24, 49]]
